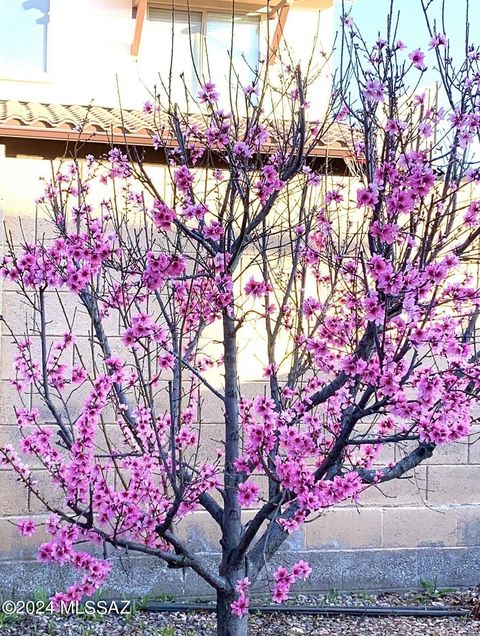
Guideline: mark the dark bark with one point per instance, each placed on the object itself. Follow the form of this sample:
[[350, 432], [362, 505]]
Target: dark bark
[[230, 568], [227, 623], [232, 528]]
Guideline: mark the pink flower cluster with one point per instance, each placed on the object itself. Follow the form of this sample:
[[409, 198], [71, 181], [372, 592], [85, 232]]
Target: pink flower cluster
[[242, 603], [27, 368], [61, 550], [27, 527], [217, 132], [80, 472], [248, 493], [284, 579], [208, 93], [183, 179], [268, 183], [159, 268], [257, 289], [70, 261], [143, 326], [202, 299], [162, 215]]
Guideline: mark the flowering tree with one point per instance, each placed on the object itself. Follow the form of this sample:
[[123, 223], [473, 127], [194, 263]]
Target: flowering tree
[[367, 306]]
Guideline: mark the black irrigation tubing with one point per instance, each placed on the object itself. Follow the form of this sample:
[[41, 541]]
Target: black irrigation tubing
[[331, 610]]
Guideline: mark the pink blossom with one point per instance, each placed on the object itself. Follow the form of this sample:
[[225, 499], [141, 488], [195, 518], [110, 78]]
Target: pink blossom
[[425, 129], [162, 215], [387, 232], [471, 215], [148, 107], [119, 166], [214, 231], [26, 417], [374, 91], [242, 149], [242, 585], [26, 527], [240, 606], [270, 370], [418, 59], [395, 126], [333, 195], [283, 577], [250, 90], [279, 595], [342, 114], [255, 288], [208, 94], [195, 211], [365, 197], [183, 179], [248, 493], [440, 39], [301, 570]]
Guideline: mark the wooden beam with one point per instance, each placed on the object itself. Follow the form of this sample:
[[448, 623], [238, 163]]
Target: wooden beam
[[273, 12], [279, 30], [140, 19]]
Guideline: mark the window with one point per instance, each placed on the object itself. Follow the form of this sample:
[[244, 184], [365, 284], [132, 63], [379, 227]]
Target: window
[[245, 54], [197, 45], [173, 41], [23, 36]]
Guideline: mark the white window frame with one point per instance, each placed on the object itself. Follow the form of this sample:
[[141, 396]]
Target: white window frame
[[204, 12]]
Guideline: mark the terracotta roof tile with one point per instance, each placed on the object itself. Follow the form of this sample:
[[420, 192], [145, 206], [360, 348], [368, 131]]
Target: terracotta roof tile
[[102, 124]]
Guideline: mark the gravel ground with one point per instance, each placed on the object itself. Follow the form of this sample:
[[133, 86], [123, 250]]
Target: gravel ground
[[203, 624]]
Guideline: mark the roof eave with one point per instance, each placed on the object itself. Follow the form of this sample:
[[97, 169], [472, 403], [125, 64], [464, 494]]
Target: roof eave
[[129, 139]]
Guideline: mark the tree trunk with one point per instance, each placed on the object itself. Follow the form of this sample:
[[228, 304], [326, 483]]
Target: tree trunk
[[227, 623]]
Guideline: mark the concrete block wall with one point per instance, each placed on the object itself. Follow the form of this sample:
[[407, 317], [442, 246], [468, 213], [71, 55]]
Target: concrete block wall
[[424, 527]]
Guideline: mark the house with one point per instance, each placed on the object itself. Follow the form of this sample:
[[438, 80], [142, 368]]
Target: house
[[77, 74], [57, 90], [134, 46]]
